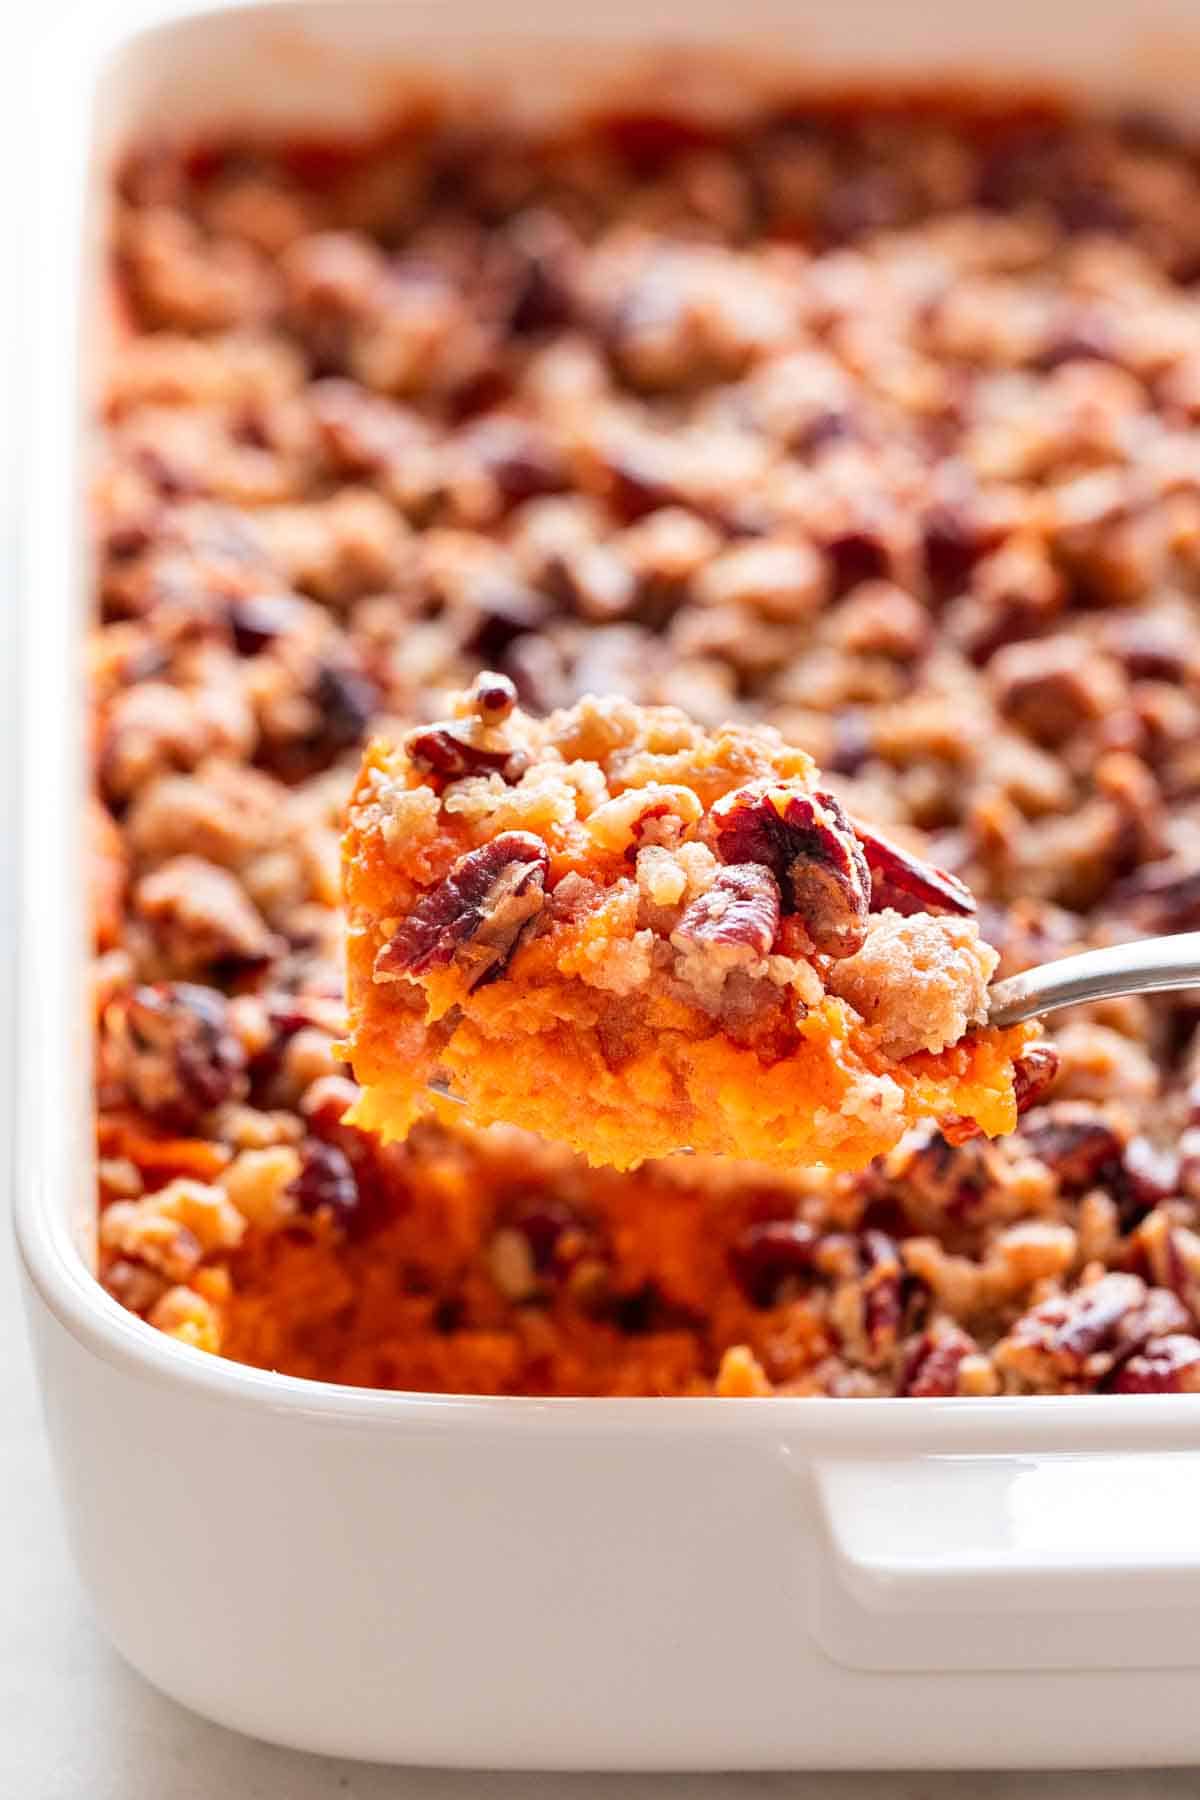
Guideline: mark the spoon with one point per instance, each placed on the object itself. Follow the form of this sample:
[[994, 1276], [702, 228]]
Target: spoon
[[1146, 966]]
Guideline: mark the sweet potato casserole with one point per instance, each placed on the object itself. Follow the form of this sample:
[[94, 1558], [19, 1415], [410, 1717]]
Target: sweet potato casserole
[[874, 424]]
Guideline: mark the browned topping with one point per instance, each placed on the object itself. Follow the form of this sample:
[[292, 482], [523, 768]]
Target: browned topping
[[477, 913], [739, 914], [202, 917], [874, 427]]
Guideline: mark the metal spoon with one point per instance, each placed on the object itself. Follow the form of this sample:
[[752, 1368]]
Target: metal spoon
[[1146, 966]]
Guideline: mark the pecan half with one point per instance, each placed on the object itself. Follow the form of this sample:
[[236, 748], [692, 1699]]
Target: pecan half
[[738, 917], [908, 883], [444, 750], [476, 914], [809, 845]]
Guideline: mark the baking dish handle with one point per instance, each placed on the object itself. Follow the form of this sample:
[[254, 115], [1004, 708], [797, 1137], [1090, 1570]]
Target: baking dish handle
[[1055, 1561]]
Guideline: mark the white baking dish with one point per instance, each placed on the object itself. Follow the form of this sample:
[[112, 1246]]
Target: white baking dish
[[568, 1583]]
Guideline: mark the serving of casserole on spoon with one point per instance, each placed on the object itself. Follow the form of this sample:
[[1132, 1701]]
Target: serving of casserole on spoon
[[636, 936]]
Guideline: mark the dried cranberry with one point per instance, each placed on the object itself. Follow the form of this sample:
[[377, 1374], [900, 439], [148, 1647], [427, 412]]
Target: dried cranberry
[[346, 701], [541, 297], [259, 619], [765, 1256], [855, 557], [1086, 206], [647, 1309], [504, 611], [853, 744], [326, 1185], [1161, 896], [953, 545], [1083, 340]]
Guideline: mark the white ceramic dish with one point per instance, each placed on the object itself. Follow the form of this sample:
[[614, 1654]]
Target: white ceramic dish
[[570, 1583]]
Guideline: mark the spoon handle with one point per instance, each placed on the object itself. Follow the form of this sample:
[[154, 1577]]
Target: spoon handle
[[1144, 967]]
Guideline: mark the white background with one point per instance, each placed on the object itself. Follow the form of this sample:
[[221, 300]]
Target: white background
[[75, 1724]]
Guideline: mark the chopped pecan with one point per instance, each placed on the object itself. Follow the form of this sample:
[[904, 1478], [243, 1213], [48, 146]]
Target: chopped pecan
[[174, 1051], [908, 883], [1162, 896], [1076, 1339], [931, 1369], [476, 915], [1149, 1173], [856, 555], [1075, 1142], [767, 1258], [203, 919], [449, 752], [1161, 1313], [882, 1289], [808, 844], [1165, 1365], [738, 916], [1033, 1071], [1054, 687]]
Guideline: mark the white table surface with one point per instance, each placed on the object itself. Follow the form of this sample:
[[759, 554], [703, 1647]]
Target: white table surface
[[75, 1723]]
